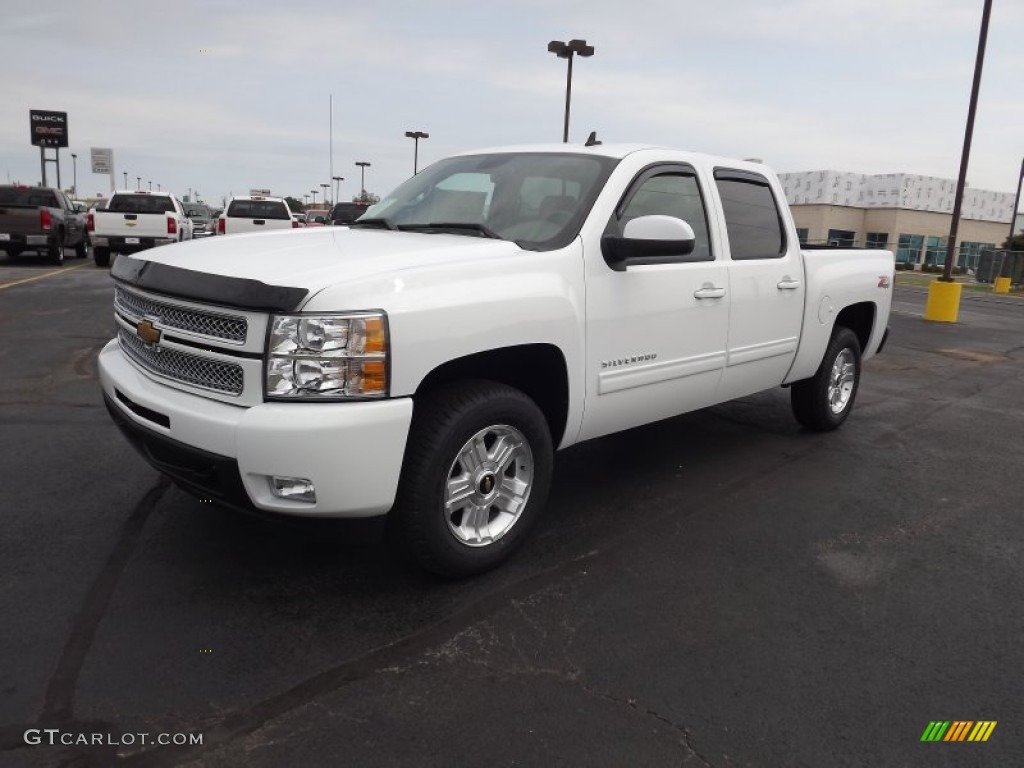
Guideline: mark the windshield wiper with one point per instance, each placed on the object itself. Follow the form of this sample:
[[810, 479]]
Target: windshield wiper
[[378, 223], [443, 226]]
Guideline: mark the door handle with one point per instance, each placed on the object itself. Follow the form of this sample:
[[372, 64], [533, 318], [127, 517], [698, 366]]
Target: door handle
[[709, 291], [787, 284]]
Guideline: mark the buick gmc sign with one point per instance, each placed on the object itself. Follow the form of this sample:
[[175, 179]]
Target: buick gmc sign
[[49, 129]]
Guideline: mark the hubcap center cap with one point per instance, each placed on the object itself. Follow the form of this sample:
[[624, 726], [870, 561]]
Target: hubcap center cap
[[486, 484]]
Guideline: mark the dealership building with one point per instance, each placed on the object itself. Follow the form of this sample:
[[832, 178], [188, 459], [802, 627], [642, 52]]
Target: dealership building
[[905, 213]]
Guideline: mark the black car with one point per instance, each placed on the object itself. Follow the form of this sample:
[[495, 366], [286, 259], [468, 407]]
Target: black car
[[346, 213]]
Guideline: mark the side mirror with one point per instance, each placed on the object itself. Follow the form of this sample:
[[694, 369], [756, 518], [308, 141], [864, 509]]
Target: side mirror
[[654, 239]]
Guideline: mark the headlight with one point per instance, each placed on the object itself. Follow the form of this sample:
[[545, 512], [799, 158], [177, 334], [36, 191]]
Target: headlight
[[322, 357]]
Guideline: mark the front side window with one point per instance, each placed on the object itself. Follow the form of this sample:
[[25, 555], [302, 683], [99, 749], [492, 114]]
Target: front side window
[[673, 193], [751, 216], [538, 200]]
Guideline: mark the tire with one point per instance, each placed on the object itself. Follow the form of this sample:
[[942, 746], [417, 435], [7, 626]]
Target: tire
[[82, 249], [14, 252], [55, 250], [494, 442], [101, 256], [822, 402]]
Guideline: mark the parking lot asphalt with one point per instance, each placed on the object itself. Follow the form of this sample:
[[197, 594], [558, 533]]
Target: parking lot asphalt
[[718, 589]]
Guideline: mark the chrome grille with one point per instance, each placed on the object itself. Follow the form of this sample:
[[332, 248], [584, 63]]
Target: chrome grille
[[198, 371], [212, 324]]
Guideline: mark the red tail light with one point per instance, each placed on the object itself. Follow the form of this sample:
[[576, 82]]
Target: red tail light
[[220, 227], [90, 222], [172, 226], [295, 224], [45, 220]]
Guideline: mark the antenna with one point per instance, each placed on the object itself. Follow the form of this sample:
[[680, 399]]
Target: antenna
[[592, 140]]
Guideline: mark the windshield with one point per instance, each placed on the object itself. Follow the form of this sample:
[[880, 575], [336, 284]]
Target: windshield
[[539, 200]]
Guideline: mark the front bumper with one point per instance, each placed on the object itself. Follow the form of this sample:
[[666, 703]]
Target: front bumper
[[352, 452]]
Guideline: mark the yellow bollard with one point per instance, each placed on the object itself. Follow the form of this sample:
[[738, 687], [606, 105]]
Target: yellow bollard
[[1002, 285], [943, 302]]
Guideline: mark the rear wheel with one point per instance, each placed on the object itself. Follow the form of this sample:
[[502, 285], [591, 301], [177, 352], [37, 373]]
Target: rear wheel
[[822, 402], [476, 473], [55, 249], [101, 256]]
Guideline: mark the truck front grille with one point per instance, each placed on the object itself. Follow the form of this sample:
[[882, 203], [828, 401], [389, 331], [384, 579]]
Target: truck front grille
[[202, 322], [214, 375]]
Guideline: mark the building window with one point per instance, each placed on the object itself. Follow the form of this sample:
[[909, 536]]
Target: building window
[[935, 251], [842, 238], [969, 252], [801, 235], [908, 249], [877, 240]]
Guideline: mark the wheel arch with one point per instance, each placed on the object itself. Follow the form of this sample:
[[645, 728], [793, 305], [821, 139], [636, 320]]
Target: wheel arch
[[538, 370], [859, 318]]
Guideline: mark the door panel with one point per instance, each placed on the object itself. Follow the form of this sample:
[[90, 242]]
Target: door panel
[[656, 334]]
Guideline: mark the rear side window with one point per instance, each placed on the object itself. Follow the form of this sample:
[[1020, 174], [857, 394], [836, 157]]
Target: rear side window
[[140, 204], [258, 209], [751, 216]]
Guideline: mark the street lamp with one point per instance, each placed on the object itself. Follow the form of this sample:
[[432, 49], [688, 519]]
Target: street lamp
[[416, 136], [74, 182], [313, 193], [138, 182], [337, 187], [566, 51], [363, 165], [305, 200], [326, 187], [126, 179], [150, 185]]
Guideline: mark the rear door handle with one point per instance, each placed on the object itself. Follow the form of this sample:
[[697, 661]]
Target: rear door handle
[[709, 291], [786, 284]]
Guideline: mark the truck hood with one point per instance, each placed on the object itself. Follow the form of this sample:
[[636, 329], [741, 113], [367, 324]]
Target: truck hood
[[316, 258]]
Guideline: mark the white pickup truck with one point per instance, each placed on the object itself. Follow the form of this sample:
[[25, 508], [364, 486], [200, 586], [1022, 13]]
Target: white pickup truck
[[255, 213], [135, 220], [426, 361]]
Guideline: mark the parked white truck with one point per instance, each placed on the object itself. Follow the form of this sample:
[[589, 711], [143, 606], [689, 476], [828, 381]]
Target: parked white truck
[[134, 221], [426, 361]]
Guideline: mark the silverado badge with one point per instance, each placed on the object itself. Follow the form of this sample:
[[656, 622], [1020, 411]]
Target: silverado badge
[[144, 330]]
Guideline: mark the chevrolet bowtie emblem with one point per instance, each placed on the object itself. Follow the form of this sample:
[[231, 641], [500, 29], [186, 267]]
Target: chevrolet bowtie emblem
[[145, 331], [131, 223]]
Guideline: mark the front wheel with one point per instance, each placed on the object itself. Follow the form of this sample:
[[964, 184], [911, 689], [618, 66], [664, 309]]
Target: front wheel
[[477, 472], [822, 402]]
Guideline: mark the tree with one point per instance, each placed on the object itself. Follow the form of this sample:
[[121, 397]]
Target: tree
[[295, 205], [1015, 243], [366, 197]]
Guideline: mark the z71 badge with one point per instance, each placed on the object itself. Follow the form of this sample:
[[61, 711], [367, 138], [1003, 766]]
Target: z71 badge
[[883, 281]]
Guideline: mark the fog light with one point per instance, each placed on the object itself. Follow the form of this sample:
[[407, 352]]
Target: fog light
[[293, 488]]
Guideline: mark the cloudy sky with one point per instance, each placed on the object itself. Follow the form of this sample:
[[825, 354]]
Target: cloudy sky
[[221, 96]]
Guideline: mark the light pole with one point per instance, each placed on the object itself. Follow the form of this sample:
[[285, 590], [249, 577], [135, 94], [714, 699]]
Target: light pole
[[138, 183], [313, 193], [150, 185], [566, 51], [337, 187], [363, 165], [74, 179], [305, 200], [326, 187], [157, 187], [416, 136], [126, 179], [1016, 200]]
